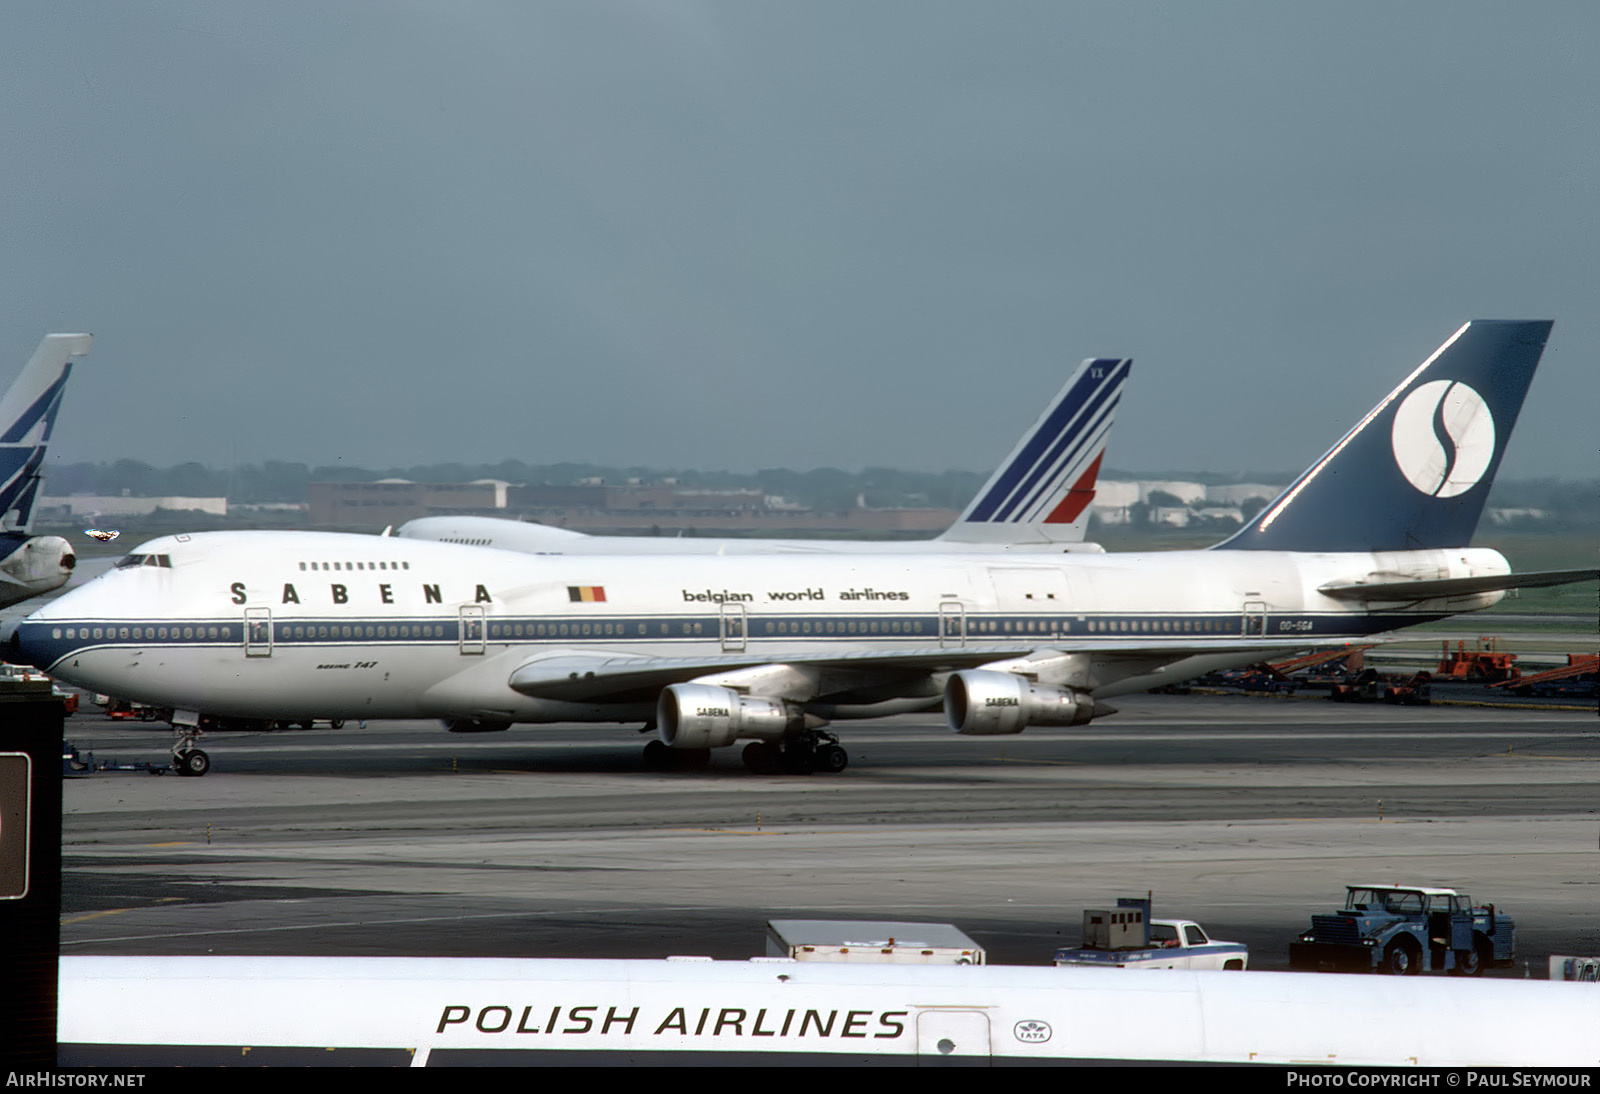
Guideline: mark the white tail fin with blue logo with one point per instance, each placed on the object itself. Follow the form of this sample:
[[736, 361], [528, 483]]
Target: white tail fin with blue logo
[[1043, 489], [1415, 472], [27, 415]]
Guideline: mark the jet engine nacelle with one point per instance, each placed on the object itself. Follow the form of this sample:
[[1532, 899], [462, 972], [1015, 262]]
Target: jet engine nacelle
[[981, 703], [36, 565], [705, 716]]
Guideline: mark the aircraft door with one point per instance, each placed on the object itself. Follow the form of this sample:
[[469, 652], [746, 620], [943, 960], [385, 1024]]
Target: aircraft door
[[1042, 592], [952, 623], [258, 632], [942, 1034], [1254, 619], [472, 628], [732, 624]]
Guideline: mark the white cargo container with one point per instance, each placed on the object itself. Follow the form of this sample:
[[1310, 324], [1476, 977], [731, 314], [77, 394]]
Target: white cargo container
[[871, 942]]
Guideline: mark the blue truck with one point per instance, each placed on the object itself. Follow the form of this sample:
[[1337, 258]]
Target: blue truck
[[1404, 930]]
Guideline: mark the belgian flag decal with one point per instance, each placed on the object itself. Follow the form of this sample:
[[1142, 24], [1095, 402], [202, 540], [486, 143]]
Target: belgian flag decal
[[586, 594]]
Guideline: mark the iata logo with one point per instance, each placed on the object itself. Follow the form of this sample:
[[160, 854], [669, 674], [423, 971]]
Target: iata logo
[[1031, 1030], [1443, 438]]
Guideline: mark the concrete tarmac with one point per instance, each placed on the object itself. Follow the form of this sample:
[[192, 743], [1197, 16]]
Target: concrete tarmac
[[1246, 814]]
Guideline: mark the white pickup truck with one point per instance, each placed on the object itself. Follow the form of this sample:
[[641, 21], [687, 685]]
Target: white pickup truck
[[1168, 944]]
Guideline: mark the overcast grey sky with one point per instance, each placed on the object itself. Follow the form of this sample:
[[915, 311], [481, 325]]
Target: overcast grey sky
[[743, 234]]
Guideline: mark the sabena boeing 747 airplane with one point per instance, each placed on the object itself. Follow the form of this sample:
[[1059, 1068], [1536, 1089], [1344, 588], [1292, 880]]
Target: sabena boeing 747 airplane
[[1036, 501], [29, 564], [715, 650]]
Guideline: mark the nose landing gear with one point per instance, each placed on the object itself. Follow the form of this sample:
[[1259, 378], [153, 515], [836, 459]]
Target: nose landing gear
[[191, 761], [186, 758]]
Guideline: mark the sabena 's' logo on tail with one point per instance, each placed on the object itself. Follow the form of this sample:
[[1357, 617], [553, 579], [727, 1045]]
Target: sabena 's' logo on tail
[[1443, 438]]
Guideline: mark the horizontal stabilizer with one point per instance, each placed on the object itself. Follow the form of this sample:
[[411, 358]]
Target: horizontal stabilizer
[[1435, 588]]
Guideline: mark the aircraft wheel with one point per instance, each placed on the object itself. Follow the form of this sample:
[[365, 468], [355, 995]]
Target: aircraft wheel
[[657, 756], [337, 723], [180, 762], [1402, 957], [194, 763], [832, 759], [762, 758]]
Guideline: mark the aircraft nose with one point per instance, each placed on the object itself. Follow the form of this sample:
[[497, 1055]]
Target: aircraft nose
[[16, 647]]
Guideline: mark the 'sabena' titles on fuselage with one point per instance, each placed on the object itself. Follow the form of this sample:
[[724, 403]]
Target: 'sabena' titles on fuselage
[[292, 625]]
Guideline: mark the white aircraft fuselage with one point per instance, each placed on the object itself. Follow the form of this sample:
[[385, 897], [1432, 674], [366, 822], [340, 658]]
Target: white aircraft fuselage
[[711, 650], [291, 625]]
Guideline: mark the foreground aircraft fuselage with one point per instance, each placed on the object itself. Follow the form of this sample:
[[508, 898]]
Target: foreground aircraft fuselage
[[510, 1011]]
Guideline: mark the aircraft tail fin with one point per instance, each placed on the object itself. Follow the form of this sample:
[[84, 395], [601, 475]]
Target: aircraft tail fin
[[1041, 492], [27, 415], [1415, 472]]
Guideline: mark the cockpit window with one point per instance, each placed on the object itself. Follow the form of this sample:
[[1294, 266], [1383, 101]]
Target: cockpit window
[[127, 562]]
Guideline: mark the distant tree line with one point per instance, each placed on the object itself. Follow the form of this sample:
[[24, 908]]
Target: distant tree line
[[1572, 505], [828, 489]]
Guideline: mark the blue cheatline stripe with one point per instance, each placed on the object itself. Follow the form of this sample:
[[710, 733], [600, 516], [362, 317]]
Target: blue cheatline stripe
[[1050, 481], [1056, 420], [1000, 628], [1104, 399], [45, 405]]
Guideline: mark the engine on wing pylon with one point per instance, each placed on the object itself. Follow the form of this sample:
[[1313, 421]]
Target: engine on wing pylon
[[706, 716], [37, 564], [980, 702]]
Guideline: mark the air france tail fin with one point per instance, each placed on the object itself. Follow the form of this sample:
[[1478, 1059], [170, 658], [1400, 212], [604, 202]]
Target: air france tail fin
[[1041, 493], [1415, 472], [27, 415]]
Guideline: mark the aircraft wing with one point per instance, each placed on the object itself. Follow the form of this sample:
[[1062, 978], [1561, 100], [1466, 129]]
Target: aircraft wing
[[599, 676], [1433, 588], [604, 676]]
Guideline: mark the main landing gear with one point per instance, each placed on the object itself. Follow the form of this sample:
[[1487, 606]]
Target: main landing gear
[[802, 754], [806, 752]]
